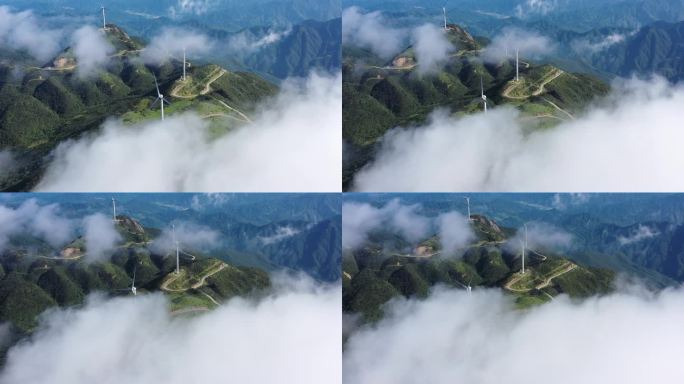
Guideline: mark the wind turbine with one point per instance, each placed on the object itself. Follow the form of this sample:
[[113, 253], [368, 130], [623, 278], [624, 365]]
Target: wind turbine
[[104, 19], [445, 22], [177, 259], [114, 208], [517, 78], [482, 95], [184, 65], [468, 288], [524, 245], [467, 199], [133, 288], [160, 98]]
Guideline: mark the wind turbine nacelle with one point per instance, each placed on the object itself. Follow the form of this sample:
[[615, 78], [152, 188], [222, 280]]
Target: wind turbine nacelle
[[484, 97]]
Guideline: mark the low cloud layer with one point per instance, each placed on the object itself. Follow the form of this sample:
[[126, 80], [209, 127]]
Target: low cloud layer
[[481, 338], [91, 49], [359, 220], [530, 8], [7, 162], [101, 237], [22, 30], [45, 222], [370, 31], [529, 44], [432, 48], [191, 7], [629, 143], [583, 46], [241, 341], [170, 42], [540, 236], [643, 232], [454, 232], [280, 234], [189, 236], [293, 144], [245, 43]]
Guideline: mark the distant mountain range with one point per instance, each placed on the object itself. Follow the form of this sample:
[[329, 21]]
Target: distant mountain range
[[30, 284], [379, 94], [48, 103], [378, 271], [655, 48]]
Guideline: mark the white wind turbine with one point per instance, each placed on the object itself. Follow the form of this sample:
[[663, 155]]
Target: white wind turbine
[[517, 77], [184, 64], [523, 243], [177, 258], [114, 208], [104, 19], [173, 230], [467, 199], [160, 98], [445, 21], [468, 288], [482, 95], [134, 290]]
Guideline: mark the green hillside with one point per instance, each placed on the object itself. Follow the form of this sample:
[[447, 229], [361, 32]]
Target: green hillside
[[375, 274], [378, 96], [50, 103], [30, 284]]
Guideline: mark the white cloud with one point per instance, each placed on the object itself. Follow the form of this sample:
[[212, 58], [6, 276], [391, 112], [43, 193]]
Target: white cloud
[[370, 31], [22, 30], [189, 236], [540, 236], [431, 46], [246, 42], [101, 237], [359, 219], [534, 7], [7, 162], [561, 201], [495, 151], [193, 7], [454, 232], [293, 144], [45, 222], [91, 49], [643, 232], [481, 338], [407, 221], [170, 42], [589, 46], [280, 234], [292, 334], [529, 44]]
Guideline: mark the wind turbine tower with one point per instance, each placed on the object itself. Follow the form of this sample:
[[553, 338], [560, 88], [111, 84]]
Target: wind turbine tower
[[517, 78], [160, 98], [444, 13], [114, 208], [104, 19], [133, 288], [467, 199], [177, 258], [524, 245], [184, 65], [484, 100]]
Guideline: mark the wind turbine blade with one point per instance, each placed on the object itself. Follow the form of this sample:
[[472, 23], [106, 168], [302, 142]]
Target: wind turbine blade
[[166, 101], [155, 102], [156, 84]]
